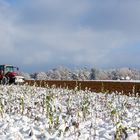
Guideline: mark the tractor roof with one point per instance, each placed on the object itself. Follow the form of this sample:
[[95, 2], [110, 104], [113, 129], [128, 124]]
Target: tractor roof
[[5, 65]]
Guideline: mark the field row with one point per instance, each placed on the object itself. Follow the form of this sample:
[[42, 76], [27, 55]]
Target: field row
[[34, 113], [124, 87]]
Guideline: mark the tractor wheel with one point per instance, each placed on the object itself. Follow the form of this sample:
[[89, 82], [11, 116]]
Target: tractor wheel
[[5, 81]]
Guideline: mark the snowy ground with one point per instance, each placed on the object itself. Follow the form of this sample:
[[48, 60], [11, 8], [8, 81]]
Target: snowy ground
[[32, 113]]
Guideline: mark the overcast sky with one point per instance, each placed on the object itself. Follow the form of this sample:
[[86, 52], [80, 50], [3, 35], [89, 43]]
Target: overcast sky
[[38, 35]]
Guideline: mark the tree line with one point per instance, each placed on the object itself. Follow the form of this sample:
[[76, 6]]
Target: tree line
[[63, 73]]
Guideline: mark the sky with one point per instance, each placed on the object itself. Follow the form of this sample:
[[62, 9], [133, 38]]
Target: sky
[[37, 35]]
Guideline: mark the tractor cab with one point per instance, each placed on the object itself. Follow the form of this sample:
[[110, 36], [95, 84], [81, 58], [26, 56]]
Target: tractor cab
[[8, 69]]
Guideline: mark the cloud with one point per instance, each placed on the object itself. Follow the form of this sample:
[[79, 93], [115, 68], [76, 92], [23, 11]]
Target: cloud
[[46, 32], [117, 15], [5, 29]]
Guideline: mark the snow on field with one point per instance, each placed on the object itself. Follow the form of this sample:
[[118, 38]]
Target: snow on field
[[33, 113]]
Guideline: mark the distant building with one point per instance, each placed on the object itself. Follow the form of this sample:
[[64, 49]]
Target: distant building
[[122, 78], [125, 78]]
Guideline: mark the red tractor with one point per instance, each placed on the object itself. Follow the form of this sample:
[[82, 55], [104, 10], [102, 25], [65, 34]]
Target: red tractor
[[9, 74]]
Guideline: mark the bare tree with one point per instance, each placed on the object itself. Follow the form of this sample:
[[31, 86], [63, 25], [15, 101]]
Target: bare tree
[[41, 76]]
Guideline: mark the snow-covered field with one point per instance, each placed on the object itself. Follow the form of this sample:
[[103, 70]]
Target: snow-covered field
[[32, 113]]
